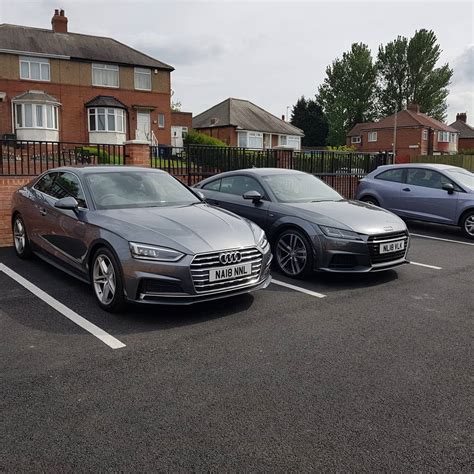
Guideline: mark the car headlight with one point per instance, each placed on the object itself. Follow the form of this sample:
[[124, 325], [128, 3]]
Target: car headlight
[[335, 233], [150, 252], [263, 242]]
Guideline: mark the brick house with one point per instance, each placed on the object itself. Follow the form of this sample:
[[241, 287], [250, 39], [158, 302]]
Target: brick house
[[466, 132], [416, 134], [56, 85], [239, 122], [181, 123]]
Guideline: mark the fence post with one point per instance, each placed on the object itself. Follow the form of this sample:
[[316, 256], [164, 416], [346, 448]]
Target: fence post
[[188, 165], [137, 153]]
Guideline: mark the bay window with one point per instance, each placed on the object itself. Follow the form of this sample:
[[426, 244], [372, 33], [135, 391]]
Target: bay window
[[44, 116], [443, 137], [293, 142], [106, 75], [255, 140], [106, 120], [34, 69]]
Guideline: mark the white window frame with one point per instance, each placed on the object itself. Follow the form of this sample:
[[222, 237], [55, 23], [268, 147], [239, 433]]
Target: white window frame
[[452, 137], [372, 137], [161, 121], [41, 62], [425, 134], [255, 136], [293, 141], [282, 140], [141, 71], [118, 114], [39, 114], [241, 138], [105, 67], [356, 139], [443, 137]]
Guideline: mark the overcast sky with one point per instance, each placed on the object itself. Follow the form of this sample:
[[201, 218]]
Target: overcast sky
[[270, 52]]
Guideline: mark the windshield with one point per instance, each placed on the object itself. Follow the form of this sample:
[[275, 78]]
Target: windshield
[[462, 177], [300, 187], [130, 189]]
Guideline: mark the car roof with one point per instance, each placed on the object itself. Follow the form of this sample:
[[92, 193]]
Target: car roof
[[258, 172], [101, 168], [429, 166]]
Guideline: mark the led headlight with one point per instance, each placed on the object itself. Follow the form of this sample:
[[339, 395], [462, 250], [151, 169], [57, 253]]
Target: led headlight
[[335, 233], [150, 252]]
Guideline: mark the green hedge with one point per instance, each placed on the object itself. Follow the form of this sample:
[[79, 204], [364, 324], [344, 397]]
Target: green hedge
[[196, 138]]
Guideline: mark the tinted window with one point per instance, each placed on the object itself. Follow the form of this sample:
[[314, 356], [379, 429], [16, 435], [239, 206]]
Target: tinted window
[[67, 184], [239, 185], [213, 185], [45, 182], [427, 178], [395, 175]]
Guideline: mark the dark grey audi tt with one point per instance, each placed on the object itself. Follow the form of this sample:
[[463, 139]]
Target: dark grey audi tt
[[138, 235], [310, 225]]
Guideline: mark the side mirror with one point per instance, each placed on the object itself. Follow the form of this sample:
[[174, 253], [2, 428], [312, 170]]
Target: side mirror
[[448, 187], [253, 196], [67, 203]]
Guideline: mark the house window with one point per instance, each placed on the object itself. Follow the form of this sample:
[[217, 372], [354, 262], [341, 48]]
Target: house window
[[142, 79], [242, 139], [255, 140], [425, 134], [106, 75], [443, 137], [161, 120], [34, 69], [372, 136], [184, 132], [36, 116], [452, 138], [106, 120], [356, 139], [283, 140], [293, 142]]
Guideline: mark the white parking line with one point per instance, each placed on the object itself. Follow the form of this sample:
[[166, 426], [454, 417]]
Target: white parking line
[[105, 337], [434, 267], [298, 288], [443, 240]]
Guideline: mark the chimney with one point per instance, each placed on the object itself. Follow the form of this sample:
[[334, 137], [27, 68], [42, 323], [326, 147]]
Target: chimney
[[283, 118], [414, 108], [59, 21], [462, 117]]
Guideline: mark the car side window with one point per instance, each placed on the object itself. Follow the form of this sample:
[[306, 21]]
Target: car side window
[[427, 178], [239, 185], [213, 185], [66, 184], [44, 183], [395, 175]]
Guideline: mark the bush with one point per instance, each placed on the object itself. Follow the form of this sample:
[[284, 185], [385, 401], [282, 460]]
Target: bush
[[341, 148], [196, 138]]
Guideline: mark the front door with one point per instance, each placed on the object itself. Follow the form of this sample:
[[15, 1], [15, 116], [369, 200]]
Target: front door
[[143, 126]]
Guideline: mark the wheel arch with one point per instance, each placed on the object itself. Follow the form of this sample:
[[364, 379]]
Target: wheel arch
[[464, 213]]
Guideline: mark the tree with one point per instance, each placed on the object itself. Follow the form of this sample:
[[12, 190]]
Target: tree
[[176, 106], [347, 93], [407, 74], [308, 115]]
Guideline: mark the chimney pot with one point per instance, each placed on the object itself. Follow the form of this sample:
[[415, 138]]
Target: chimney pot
[[283, 118], [59, 21], [462, 117]]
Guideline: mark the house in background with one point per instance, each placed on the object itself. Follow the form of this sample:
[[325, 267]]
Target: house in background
[[56, 85], [466, 132], [239, 122], [181, 123], [416, 134]]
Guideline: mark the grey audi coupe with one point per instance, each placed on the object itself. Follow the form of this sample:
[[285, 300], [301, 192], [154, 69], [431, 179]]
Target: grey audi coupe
[[138, 235], [310, 226]]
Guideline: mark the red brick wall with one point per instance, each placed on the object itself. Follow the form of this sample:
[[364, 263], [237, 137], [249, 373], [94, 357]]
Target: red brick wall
[[182, 119], [72, 114], [226, 134], [465, 144]]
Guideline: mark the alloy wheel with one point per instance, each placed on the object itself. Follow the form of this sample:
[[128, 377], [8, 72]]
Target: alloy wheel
[[104, 279], [291, 254], [19, 236], [469, 225]]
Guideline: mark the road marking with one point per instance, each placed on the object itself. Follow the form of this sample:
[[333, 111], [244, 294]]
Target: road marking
[[298, 288], [444, 240], [434, 267], [105, 337]]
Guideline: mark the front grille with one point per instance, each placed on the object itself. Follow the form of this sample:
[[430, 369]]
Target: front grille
[[374, 242], [202, 263]]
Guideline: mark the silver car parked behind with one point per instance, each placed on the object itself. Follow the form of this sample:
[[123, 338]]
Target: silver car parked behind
[[429, 192], [138, 235]]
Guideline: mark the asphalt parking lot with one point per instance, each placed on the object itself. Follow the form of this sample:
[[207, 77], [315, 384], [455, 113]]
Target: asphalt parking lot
[[342, 373]]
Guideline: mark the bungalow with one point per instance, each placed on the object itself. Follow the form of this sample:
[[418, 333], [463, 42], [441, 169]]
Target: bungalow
[[466, 132], [239, 122]]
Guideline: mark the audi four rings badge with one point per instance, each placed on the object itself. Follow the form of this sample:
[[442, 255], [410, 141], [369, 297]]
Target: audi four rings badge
[[230, 257]]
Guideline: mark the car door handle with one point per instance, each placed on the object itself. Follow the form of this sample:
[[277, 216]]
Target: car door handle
[[407, 189], [43, 211]]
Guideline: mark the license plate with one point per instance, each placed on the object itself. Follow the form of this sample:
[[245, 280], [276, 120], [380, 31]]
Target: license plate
[[228, 273], [389, 247]]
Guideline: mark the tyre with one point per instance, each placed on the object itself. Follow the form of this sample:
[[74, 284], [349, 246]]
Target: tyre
[[370, 200], [293, 254], [20, 238], [467, 224], [107, 281]]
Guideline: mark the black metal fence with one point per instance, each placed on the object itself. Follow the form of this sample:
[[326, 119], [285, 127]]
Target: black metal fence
[[30, 158], [192, 163]]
